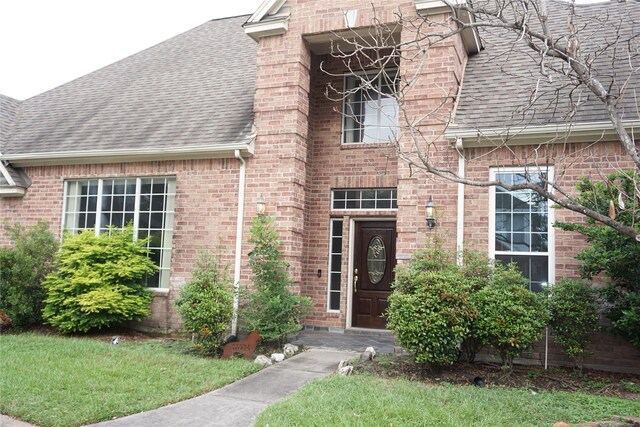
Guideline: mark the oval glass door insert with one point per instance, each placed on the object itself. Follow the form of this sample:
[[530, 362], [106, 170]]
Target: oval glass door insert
[[376, 260]]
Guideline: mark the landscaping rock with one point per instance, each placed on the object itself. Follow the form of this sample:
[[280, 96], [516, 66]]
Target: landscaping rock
[[345, 371], [290, 349], [277, 357], [263, 360], [368, 354]]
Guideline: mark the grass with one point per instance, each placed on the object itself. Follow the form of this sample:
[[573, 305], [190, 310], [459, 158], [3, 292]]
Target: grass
[[364, 400], [56, 381]]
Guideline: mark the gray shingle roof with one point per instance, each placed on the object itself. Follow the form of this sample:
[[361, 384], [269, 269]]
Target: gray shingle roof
[[195, 89], [8, 110], [499, 80]]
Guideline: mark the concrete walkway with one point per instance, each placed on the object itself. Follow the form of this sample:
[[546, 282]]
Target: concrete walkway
[[239, 403]]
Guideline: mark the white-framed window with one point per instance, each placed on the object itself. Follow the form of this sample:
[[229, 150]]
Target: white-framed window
[[335, 264], [370, 111], [520, 225], [146, 203], [364, 199]]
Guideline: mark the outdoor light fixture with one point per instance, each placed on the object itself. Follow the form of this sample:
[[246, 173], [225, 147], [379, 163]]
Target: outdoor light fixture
[[430, 213], [261, 205]]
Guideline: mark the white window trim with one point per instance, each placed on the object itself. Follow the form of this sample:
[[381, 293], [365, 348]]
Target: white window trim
[[551, 248], [345, 76], [333, 190], [329, 271]]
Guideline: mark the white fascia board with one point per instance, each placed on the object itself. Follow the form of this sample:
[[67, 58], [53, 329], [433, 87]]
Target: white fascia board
[[125, 155], [12, 191], [6, 174], [433, 7], [470, 37], [270, 28], [268, 7], [521, 135]]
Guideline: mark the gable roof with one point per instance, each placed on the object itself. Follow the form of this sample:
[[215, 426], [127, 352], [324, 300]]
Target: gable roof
[[500, 80], [8, 111], [190, 94]]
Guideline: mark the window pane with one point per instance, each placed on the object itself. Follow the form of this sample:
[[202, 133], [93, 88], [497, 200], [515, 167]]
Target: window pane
[[503, 222], [520, 202], [157, 202], [335, 281], [334, 301], [353, 204], [539, 221], [337, 228], [91, 221], [145, 203], [335, 260], [521, 222], [368, 204], [539, 242], [503, 202], [521, 242], [503, 241]]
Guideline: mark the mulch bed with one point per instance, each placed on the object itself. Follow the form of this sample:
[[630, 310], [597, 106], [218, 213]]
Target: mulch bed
[[534, 378]]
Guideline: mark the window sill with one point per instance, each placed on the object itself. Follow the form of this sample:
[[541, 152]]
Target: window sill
[[159, 291], [356, 145]]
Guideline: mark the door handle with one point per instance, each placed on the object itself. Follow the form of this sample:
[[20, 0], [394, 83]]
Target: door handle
[[355, 281]]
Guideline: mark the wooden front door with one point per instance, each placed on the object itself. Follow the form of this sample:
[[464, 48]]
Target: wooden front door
[[373, 265]]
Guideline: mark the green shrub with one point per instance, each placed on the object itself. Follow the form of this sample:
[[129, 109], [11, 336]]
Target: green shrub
[[613, 253], [510, 316], [573, 306], [206, 303], [429, 308], [271, 308], [22, 270], [98, 281]]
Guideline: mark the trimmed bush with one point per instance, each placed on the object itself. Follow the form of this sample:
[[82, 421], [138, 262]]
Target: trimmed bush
[[613, 253], [22, 270], [98, 281], [206, 303], [429, 308], [574, 317], [510, 317], [271, 308]]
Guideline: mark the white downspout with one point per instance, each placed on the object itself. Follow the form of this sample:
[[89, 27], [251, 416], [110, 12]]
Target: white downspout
[[238, 261], [460, 213]]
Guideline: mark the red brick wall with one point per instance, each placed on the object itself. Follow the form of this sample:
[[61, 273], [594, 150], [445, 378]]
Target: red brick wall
[[299, 158], [205, 219]]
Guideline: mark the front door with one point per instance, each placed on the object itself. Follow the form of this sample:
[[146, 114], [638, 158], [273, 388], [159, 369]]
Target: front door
[[373, 265]]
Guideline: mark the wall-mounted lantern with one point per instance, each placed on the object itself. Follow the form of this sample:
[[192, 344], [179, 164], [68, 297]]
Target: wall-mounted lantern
[[430, 209], [261, 205]]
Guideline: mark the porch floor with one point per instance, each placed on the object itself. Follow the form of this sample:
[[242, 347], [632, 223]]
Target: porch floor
[[352, 340]]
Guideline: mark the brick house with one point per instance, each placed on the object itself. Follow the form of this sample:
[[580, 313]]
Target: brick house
[[185, 138]]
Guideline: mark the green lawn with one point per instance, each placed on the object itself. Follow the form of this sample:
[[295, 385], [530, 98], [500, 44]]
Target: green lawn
[[55, 381], [363, 400]]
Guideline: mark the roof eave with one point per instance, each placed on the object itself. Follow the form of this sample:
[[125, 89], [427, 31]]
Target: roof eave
[[258, 30], [524, 135], [129, 155], [268, 7], [470, 37], [12, 191]]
